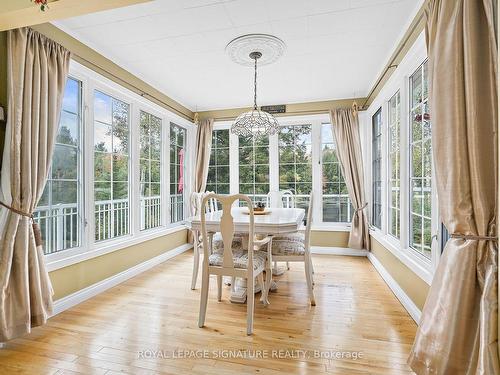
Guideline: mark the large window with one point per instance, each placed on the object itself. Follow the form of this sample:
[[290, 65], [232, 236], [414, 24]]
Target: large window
[[420, 164], [336, 203], [295, 162], [150, 170], [394, 167], [377, 169], [111, 166], [254, 167], [58, 212], [177, 172], [218, 170]]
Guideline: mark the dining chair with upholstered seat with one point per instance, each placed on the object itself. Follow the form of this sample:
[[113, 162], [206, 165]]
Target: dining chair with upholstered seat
[[196, 199], [234, 261], [286, 199], [296, 247]]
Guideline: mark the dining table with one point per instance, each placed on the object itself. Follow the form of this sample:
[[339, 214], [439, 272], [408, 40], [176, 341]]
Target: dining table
[[273, 221]]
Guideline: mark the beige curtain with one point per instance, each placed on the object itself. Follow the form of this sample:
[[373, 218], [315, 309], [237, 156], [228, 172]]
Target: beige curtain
[[458, 328], [203, 148], [346, 131], [37, 69]]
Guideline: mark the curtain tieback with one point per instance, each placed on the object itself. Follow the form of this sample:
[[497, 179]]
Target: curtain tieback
[[36, 228], [473, 237], [361, 208]]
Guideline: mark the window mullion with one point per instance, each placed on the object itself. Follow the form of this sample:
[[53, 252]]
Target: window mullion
[[316, 171], [274, 175]]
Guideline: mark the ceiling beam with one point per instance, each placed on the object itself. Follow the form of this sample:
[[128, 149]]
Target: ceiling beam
[[19, 13]]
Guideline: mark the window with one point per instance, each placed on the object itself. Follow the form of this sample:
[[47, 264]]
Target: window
[[295, 162], [218, 170], [58, 212], [254, 167], [394, 168], [376, 169], [177, 172], [150, 170], [111, 167], [420, 164], [336, 203]]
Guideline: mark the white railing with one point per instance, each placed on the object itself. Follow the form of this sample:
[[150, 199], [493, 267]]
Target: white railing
[[111, 219], [150, 212], [59, 226], [176, 208], [336, 214]]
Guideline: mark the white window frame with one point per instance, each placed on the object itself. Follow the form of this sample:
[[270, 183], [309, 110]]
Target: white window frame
[[315, 121], [399, 80], [88, 249], [148, 108]]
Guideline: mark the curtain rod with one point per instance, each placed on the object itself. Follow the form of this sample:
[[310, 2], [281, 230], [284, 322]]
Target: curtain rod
[[286, 114], [134, 88]]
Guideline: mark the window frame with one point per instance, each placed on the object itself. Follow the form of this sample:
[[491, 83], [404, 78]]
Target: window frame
[[88, 249], [374, 158], [316, 121], [80, 173], [132, 212], [388, 175], [400, 248], [144, 107]]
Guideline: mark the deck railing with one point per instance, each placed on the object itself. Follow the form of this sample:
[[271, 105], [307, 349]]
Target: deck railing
[[60, 229]]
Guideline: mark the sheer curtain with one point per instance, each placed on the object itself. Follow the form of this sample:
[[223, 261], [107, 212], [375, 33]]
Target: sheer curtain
[[37, 69], [458, 329]]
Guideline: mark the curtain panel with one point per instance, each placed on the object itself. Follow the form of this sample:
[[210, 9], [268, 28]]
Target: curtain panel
[[203, 146], [37, 69], [458, 329], [348, 147]]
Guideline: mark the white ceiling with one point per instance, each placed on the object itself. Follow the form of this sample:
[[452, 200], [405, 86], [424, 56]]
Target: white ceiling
[[335, 48]]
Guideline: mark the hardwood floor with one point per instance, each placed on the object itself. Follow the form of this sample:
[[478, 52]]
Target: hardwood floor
[[134, 326]]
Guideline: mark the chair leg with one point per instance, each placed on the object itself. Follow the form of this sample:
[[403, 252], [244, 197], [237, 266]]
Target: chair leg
[[219, 288], [307, 266], [260, 280], [312, 270], [196, 262], [250, 305], [205, 280]]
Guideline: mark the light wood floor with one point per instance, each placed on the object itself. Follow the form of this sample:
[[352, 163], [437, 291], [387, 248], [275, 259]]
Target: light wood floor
[[154, 311]]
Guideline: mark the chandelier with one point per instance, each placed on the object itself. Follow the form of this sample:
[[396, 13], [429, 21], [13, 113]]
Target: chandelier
[[249, 49]]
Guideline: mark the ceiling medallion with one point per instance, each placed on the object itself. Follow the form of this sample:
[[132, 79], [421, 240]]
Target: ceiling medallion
[[247, 50]]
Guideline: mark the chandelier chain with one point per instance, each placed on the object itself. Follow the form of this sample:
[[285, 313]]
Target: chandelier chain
[[255, 86]]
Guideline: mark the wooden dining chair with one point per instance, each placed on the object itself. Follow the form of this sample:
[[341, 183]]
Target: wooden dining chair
[[196, 200], [296, 247], [285, 199], [234, 261]]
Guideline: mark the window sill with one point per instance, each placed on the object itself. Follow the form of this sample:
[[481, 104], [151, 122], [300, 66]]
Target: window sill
[[417, 266], [69, 257], [331, 227]]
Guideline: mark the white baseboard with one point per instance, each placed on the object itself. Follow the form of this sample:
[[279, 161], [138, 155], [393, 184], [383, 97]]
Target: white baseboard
[[400, 294], [338, 251], [78, 297]]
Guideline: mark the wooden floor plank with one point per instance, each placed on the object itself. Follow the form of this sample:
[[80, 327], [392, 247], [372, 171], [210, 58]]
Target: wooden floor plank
[[138, 326]]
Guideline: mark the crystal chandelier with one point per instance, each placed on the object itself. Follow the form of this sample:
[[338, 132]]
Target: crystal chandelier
[[255, 122], [246, 50]]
